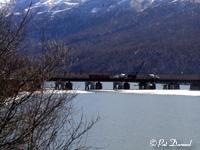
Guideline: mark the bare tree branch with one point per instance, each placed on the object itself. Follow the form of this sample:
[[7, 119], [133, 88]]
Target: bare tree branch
[[30, 117]]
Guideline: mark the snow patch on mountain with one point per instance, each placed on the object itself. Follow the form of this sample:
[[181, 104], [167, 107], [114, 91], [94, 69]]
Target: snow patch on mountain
[[47, 6], [92, 6], [111, 7], [140, 5], [95, 10], [3, 3]]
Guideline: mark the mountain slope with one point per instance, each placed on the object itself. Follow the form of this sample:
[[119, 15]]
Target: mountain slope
[[166, 38], [163, 35]]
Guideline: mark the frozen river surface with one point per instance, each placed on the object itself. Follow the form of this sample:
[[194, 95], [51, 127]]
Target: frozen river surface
[[130, 119]]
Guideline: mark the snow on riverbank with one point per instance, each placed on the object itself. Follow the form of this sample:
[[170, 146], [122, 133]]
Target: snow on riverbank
[[151, 92], [164, 92]]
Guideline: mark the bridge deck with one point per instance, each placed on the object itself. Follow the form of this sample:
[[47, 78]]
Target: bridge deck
[[131, 78]]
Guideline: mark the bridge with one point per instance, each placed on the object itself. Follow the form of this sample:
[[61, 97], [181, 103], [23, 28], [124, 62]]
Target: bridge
[[122, 81]]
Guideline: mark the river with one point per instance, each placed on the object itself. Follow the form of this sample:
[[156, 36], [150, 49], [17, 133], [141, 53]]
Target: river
[[130, 119]]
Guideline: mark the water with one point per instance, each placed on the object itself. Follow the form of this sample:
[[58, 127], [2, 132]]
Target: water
[[129, 120]]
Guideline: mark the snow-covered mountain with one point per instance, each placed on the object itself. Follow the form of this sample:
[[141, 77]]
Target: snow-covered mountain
[[53, 7], [47, 6], [56, 6], [90, 6], [116, 35]]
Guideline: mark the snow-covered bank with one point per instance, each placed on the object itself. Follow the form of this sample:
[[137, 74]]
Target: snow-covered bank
[[164, 92], [151, 92], [65, 91]]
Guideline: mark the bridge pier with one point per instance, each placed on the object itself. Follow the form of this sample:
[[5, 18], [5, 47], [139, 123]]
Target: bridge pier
[[174, 86], [56, 85], [126, 86], [93, 86], [68, 86], [147, 85], [59, 85], [142, 85], [121, 85], [89, 85], [114, 86], [98, 86], [195, 86], [117, 85]]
